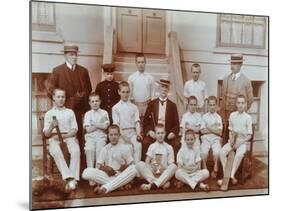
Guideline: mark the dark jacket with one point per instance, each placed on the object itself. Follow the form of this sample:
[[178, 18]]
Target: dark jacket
[[61, 78], [171, 119]]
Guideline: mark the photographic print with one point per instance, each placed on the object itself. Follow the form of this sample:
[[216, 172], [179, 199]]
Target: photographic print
[[134, 105]]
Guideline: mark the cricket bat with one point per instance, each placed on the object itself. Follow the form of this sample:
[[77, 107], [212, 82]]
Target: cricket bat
[[63, 145], [228, 167]]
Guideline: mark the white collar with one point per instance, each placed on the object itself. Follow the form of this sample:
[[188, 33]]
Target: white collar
[[236, 75], [163, 99], [57, 108], [71, 67]]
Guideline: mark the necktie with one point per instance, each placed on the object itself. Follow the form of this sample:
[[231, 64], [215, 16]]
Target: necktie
[[233, 76], [162, 102]]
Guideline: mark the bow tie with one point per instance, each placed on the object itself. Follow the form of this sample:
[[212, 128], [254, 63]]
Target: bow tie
[[162, 101]]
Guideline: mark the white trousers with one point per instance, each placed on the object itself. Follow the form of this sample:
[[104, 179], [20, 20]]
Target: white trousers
[[93, 147], [207, 144], [241, 150], [57, 154], [113, 182], [191, 179], [146, 172], [129, 136]]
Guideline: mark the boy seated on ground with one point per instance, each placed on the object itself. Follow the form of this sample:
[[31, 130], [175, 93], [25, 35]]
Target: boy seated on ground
[[188, 161], [114, 166], [159, 166]]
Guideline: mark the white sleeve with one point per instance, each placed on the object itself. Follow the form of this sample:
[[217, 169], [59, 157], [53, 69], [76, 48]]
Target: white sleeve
[[47, 121], [185, 89], [203, 123], [115, 116], [73, 120], [249, 125], [179, 157], [220, 122], [105, 118], [137, 114], [86, 121], [171, 156], [230, 126], [182, 124], [149, 152], [205, 91]]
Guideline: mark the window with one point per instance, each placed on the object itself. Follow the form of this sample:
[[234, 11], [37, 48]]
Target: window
[[43, 16], [241, 31]]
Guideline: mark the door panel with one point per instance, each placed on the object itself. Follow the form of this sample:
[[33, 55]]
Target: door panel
[[154, 31], [129, 26]]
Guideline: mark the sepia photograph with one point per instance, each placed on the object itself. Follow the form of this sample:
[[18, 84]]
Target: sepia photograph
[[136, 105]]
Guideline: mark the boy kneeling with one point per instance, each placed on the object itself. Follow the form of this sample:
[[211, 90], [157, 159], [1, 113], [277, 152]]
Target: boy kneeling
[[159, 166], [114, 166], [188, 160]]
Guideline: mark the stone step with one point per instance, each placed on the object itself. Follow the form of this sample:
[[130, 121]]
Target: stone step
[[149, 59], [150, 68]]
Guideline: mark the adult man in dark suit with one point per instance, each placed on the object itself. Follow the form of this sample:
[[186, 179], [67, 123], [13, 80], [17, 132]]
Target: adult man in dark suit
[[161, 111], [75, 81]]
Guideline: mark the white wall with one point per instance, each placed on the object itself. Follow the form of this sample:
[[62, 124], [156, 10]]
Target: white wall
[[78, 24], [197, 39]]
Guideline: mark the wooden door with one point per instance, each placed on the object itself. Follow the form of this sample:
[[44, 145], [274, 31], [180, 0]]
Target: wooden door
[[141, 30], [129, 30], [154, 31]]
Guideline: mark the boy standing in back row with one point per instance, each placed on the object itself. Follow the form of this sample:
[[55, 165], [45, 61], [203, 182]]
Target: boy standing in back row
[[108, 90]]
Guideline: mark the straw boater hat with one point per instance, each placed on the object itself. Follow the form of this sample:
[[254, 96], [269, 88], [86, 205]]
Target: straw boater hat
[[164, 81], [109, 68], [236, 58], [70, 48]]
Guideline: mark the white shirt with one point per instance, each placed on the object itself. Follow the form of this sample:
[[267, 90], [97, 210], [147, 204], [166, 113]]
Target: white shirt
[[211, 119], [66, 119], [162, 111], [125, 114], [196, 88], [190, 119], [165, 150], [115, 156], [235, 76], [187, 157], [142, 86], [240, 123], [98, 116]]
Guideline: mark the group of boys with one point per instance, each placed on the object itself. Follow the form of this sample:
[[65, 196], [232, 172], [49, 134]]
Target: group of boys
[[138, 136]]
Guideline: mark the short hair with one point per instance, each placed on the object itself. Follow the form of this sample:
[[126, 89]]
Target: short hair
[[57, 89], [123, 84], [94, 94], [140, 55], [241, 96], [212, 98], [191, 98], [189, 132], [159, 125], [195, 65], [113, 127]]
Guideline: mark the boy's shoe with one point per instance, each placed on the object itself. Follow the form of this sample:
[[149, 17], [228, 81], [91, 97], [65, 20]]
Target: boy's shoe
[[100, 190], [145, 187], [219, 182], [166, 185], [178, 184], [71, 185], [234, 181], [92, 183], [204, 187], [214, 174]]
